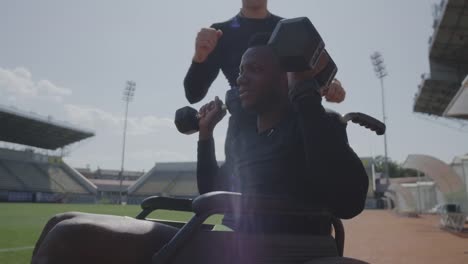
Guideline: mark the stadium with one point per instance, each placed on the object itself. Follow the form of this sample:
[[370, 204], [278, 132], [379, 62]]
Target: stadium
[[432, 206]]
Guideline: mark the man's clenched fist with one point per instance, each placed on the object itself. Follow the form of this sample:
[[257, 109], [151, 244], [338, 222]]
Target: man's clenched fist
[[206, 42]]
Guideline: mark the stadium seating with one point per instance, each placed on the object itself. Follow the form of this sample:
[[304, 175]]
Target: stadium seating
[[8, 181], [27, 176], [165, 179], [57, 174], [184, 188], [34, 179], [156, 185]]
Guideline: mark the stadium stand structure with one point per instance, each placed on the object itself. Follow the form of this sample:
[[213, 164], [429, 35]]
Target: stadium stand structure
[[105, 174], [108, 182], [460, 166], [441, 190], [173, 179], [33, 130], [444, 92], [27, 176], [412, 195], [448, 182]]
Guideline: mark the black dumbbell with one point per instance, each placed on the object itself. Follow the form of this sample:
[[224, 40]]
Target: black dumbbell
[[326, 76], [299, 47], [186, 119]]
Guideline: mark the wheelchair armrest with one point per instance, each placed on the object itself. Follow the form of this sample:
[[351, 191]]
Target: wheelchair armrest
[[153, 203], [167, 203], [231, 202]]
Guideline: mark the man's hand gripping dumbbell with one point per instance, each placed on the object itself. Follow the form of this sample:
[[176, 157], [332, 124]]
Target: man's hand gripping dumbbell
[[188, 120]]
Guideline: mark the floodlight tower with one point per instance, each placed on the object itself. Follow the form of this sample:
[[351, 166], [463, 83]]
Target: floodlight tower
[[381, 72], [128, 94]]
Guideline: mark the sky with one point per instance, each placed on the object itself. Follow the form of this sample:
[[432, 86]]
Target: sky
[[71, 59]]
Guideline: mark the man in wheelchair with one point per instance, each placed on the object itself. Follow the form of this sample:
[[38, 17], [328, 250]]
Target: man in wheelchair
[[298, 152]]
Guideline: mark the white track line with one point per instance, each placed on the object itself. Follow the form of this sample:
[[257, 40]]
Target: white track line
[[15, 249]]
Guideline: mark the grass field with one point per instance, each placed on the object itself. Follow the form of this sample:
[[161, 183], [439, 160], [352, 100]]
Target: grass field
[[21, 224]]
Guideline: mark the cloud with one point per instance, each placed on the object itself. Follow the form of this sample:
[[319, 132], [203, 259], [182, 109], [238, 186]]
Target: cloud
[[18, 83], [148, 124], [90, 116], [99, 119], [150, 138], [46, 88]]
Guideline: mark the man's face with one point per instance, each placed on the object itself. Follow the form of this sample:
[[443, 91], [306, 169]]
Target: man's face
[[254, 3], [260, 78]]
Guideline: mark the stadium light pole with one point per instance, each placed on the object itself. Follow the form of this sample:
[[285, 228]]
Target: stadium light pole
[[128, 94], [381, 72]]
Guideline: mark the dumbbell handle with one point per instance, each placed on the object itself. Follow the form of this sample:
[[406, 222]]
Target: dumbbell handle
[[366, 121]]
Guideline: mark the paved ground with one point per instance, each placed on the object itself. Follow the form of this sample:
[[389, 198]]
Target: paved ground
[[382, 237]]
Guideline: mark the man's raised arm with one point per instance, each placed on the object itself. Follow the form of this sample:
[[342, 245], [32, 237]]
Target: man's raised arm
[[205, 65], [210, 177], [336, 174]]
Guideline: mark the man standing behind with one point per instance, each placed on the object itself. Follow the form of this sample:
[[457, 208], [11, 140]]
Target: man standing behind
[[221, 46]]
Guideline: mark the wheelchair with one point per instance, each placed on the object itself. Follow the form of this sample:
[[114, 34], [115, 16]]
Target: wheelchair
[[197, 242]]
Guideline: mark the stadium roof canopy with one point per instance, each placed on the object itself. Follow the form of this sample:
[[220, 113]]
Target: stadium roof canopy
[[36, 131], [458, 107], [434, 96], [442, 93]]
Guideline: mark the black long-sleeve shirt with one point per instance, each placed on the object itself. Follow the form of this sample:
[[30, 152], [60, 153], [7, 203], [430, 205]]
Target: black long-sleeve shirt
[[305, 157], [227, 55]]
